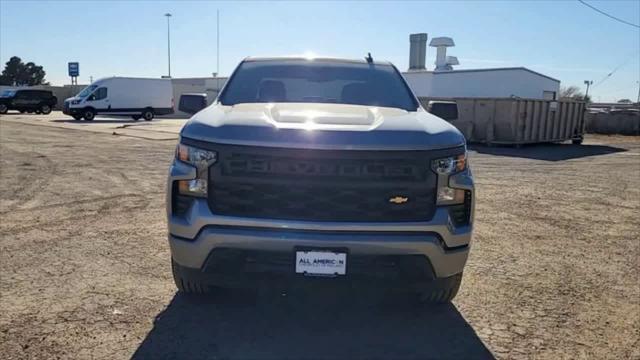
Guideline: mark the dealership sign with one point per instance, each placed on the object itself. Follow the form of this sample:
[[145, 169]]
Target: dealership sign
[[74, 69]]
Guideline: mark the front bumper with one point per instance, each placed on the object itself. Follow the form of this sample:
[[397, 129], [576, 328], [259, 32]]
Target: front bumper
[[233, 268], [194, 235], [68, 110]]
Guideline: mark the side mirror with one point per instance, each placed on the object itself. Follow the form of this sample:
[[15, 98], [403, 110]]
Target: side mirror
[[445, 110], [192, 103]]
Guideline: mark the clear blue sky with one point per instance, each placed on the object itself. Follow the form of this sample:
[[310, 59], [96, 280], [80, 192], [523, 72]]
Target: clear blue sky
[[562, 39]]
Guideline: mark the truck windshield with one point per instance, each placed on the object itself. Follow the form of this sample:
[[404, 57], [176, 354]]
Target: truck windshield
[[87, 91], [318, 81]]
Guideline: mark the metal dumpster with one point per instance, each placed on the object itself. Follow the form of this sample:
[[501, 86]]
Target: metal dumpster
[[517, 121]]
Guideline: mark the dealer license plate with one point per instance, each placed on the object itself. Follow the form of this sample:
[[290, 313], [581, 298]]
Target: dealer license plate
[[325, 263]]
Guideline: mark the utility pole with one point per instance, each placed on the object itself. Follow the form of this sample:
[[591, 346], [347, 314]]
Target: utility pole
[[588, 83], [168, 15], [638, 100]]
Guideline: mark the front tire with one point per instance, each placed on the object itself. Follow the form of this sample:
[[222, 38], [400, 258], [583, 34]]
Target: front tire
[[185, 283], [442, 292], [3, 109], [45, 109], [147, 114], [89, 114]]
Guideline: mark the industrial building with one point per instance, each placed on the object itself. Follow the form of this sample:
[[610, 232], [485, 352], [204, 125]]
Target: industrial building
[[446, 82]]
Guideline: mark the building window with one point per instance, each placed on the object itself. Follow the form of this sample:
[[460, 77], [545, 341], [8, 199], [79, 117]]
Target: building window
[[549, 95]]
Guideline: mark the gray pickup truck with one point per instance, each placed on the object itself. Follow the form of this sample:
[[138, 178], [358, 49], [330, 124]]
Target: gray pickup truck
[[319, 170]]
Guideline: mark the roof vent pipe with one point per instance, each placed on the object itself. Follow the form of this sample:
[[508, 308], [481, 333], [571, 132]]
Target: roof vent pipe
[[441, 44], [417, 51]]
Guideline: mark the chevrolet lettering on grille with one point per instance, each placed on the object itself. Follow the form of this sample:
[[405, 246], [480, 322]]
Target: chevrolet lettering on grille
[[283, 166]]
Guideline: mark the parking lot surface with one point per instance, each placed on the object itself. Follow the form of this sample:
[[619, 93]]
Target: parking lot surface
[[85, 271], [160, 128]]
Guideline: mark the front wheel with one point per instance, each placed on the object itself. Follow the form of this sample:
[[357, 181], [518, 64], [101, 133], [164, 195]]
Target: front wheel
[[443, 291], [3, 109], [185, 283], [89, 114], [147, 114], [45, 109]]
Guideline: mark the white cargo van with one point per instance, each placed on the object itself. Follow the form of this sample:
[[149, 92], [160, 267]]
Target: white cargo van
[[136, 97]]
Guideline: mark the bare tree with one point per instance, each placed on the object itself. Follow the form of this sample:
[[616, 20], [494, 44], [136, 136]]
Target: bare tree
[[573, 93]]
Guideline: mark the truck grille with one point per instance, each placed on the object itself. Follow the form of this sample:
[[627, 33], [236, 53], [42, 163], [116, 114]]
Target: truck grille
[[322, 185]]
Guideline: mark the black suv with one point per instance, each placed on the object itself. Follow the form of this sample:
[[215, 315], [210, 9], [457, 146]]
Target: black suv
[[38, 101]]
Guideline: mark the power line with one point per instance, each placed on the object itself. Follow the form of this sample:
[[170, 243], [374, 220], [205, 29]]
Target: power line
[[614, 70], [608, 15]]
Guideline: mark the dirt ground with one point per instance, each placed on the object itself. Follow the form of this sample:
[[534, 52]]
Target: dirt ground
[[554, 270]]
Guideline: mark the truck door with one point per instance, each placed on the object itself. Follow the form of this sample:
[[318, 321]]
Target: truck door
[[22, 99], [99, 100]]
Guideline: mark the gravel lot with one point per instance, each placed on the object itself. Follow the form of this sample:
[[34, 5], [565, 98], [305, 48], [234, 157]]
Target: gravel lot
[[85, 272]]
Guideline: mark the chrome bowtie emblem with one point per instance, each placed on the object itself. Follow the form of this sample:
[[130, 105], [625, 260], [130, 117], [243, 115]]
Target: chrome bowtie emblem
[[398, 200]]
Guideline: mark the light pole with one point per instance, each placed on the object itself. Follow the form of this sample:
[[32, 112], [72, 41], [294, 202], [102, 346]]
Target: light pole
[[168, 15], [588, 83]]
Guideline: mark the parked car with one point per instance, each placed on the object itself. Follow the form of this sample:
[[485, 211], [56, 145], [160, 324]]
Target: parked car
[[27, 100], [135, 97], [322, 168]]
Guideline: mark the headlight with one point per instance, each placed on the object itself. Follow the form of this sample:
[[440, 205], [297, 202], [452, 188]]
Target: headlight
[[450, 196], [449, 165], [195, 187], [201, 159], [75, 102], [444, 168]]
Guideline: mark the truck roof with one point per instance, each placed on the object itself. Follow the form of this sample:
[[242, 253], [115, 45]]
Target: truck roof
[[321, 58]]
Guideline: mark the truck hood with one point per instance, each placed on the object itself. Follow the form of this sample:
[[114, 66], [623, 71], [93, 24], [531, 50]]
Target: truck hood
[[322, 126]]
